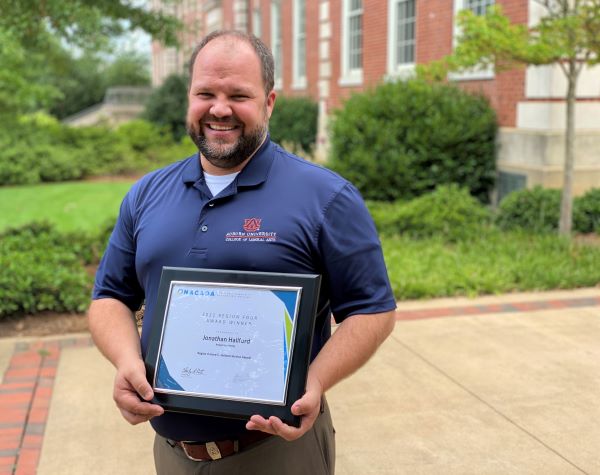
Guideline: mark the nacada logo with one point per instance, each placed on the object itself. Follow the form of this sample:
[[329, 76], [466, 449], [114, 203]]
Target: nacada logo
[[196, 292], [251, 225], [252, 232]]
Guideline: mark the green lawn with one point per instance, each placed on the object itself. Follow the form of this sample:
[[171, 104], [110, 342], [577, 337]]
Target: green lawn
[[70, 206]]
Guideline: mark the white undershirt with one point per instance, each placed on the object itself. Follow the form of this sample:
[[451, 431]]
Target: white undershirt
[[217, 183]]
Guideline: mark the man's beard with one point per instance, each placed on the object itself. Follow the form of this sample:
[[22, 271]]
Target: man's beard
[[224, 155]]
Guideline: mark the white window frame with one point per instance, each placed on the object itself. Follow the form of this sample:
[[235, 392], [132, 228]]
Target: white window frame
[[470, 75], [298, 79], [354, 76], [277, 43], [256, 22], [405, 70]]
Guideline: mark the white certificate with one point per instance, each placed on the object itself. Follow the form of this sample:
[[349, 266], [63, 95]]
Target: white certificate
[[227, 341]]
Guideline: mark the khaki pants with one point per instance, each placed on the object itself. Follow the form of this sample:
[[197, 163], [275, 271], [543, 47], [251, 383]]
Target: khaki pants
[[312, 454]]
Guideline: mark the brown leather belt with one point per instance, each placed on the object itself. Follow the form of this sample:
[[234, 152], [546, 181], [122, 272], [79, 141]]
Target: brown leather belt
[[202, 452]]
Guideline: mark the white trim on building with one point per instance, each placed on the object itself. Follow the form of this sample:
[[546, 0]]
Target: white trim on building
[[299, 45], [276, 42], [402, 36], [352, 43]]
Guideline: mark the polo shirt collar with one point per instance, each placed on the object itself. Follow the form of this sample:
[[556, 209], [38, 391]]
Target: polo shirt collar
[[254, 173], [257, 169], [192, 172]]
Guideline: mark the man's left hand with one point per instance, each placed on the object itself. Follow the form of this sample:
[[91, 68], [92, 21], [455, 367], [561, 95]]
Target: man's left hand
[[308, 407]]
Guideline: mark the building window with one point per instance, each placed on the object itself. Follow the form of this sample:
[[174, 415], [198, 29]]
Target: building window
[[352, 12], [213, 20], [276, 42], [479, 7], [256, 23], [509, 182], [299, 64], [402, 36]]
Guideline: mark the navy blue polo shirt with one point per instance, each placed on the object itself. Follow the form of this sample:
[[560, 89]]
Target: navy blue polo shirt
[[280, 214]]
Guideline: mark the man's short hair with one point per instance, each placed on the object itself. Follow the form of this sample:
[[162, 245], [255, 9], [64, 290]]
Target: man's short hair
[[263, 52]]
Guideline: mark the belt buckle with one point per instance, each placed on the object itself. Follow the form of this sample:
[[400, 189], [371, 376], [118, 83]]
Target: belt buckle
[[210, 451], [213, 450]]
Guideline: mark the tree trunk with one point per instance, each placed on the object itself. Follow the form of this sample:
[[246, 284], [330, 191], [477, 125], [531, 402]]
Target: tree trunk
[[566, 205]]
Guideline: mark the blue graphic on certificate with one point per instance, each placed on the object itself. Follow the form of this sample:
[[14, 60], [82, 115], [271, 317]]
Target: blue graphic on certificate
[[228, 341]]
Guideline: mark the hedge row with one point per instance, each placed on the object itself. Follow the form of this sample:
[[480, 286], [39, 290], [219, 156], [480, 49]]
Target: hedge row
[[40, 149], [449, 212], [538, 210], [452, 214], [42, 269]]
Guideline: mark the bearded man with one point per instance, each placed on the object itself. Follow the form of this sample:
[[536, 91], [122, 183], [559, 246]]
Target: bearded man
[[180, 216]]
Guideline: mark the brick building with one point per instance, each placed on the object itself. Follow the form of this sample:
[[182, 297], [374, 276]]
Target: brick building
[[327, 49]]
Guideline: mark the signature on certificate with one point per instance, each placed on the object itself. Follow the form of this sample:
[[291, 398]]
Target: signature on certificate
[[187, 372]]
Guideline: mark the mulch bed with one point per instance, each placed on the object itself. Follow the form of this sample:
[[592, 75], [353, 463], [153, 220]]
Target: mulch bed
[[43, 324]]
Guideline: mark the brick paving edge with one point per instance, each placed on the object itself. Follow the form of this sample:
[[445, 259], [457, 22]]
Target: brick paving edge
[[25, 397]]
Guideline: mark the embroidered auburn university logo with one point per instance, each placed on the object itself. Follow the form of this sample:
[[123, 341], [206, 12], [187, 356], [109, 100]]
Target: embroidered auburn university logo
[[251, 225], [251, 232]]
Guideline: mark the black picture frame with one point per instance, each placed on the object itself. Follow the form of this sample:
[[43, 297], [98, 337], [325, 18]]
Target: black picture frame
[[303, 321]]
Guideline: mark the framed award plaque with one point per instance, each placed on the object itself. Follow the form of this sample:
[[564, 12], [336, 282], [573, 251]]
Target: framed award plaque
[[231, 343]]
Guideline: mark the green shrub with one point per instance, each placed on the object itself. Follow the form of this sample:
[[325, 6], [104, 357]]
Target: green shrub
[[294, 123], [99, 150], [58, 163], [493, 263], [152, 146], [536, 210], [586, 212], [39, 270], [42, 149], [143, 136], [449, 213], [17, 163], [167, 105], [93, 246], [403, 139], [165, 155], [385, 215]]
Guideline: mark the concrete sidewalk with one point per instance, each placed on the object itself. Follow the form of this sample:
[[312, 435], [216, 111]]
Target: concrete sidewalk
[[496, 385]]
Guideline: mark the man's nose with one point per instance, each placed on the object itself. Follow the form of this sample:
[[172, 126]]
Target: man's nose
[[220, 108]]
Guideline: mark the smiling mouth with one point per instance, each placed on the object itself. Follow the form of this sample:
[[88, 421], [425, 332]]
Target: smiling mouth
[[221, 128]]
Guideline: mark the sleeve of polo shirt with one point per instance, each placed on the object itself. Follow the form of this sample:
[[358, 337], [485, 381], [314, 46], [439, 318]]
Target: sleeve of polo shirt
[[116, 276], [353, 263]]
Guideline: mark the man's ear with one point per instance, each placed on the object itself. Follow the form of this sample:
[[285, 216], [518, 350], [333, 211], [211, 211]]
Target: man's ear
[[270, 102]]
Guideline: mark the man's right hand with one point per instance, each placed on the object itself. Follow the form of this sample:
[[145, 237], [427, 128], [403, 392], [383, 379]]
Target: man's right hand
[[130, 386]]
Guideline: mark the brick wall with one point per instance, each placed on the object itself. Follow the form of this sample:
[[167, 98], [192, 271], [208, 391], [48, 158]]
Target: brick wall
[[375, 32], [228, 15], [434, 29], [312, 49], [434, 37]]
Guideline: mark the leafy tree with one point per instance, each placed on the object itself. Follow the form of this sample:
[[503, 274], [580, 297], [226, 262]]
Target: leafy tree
[[294, 123], [129, 68], [80, 84], [167, 105], [567, 35], [20, 73], [83, 81], [82, 22], [30, 30]]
